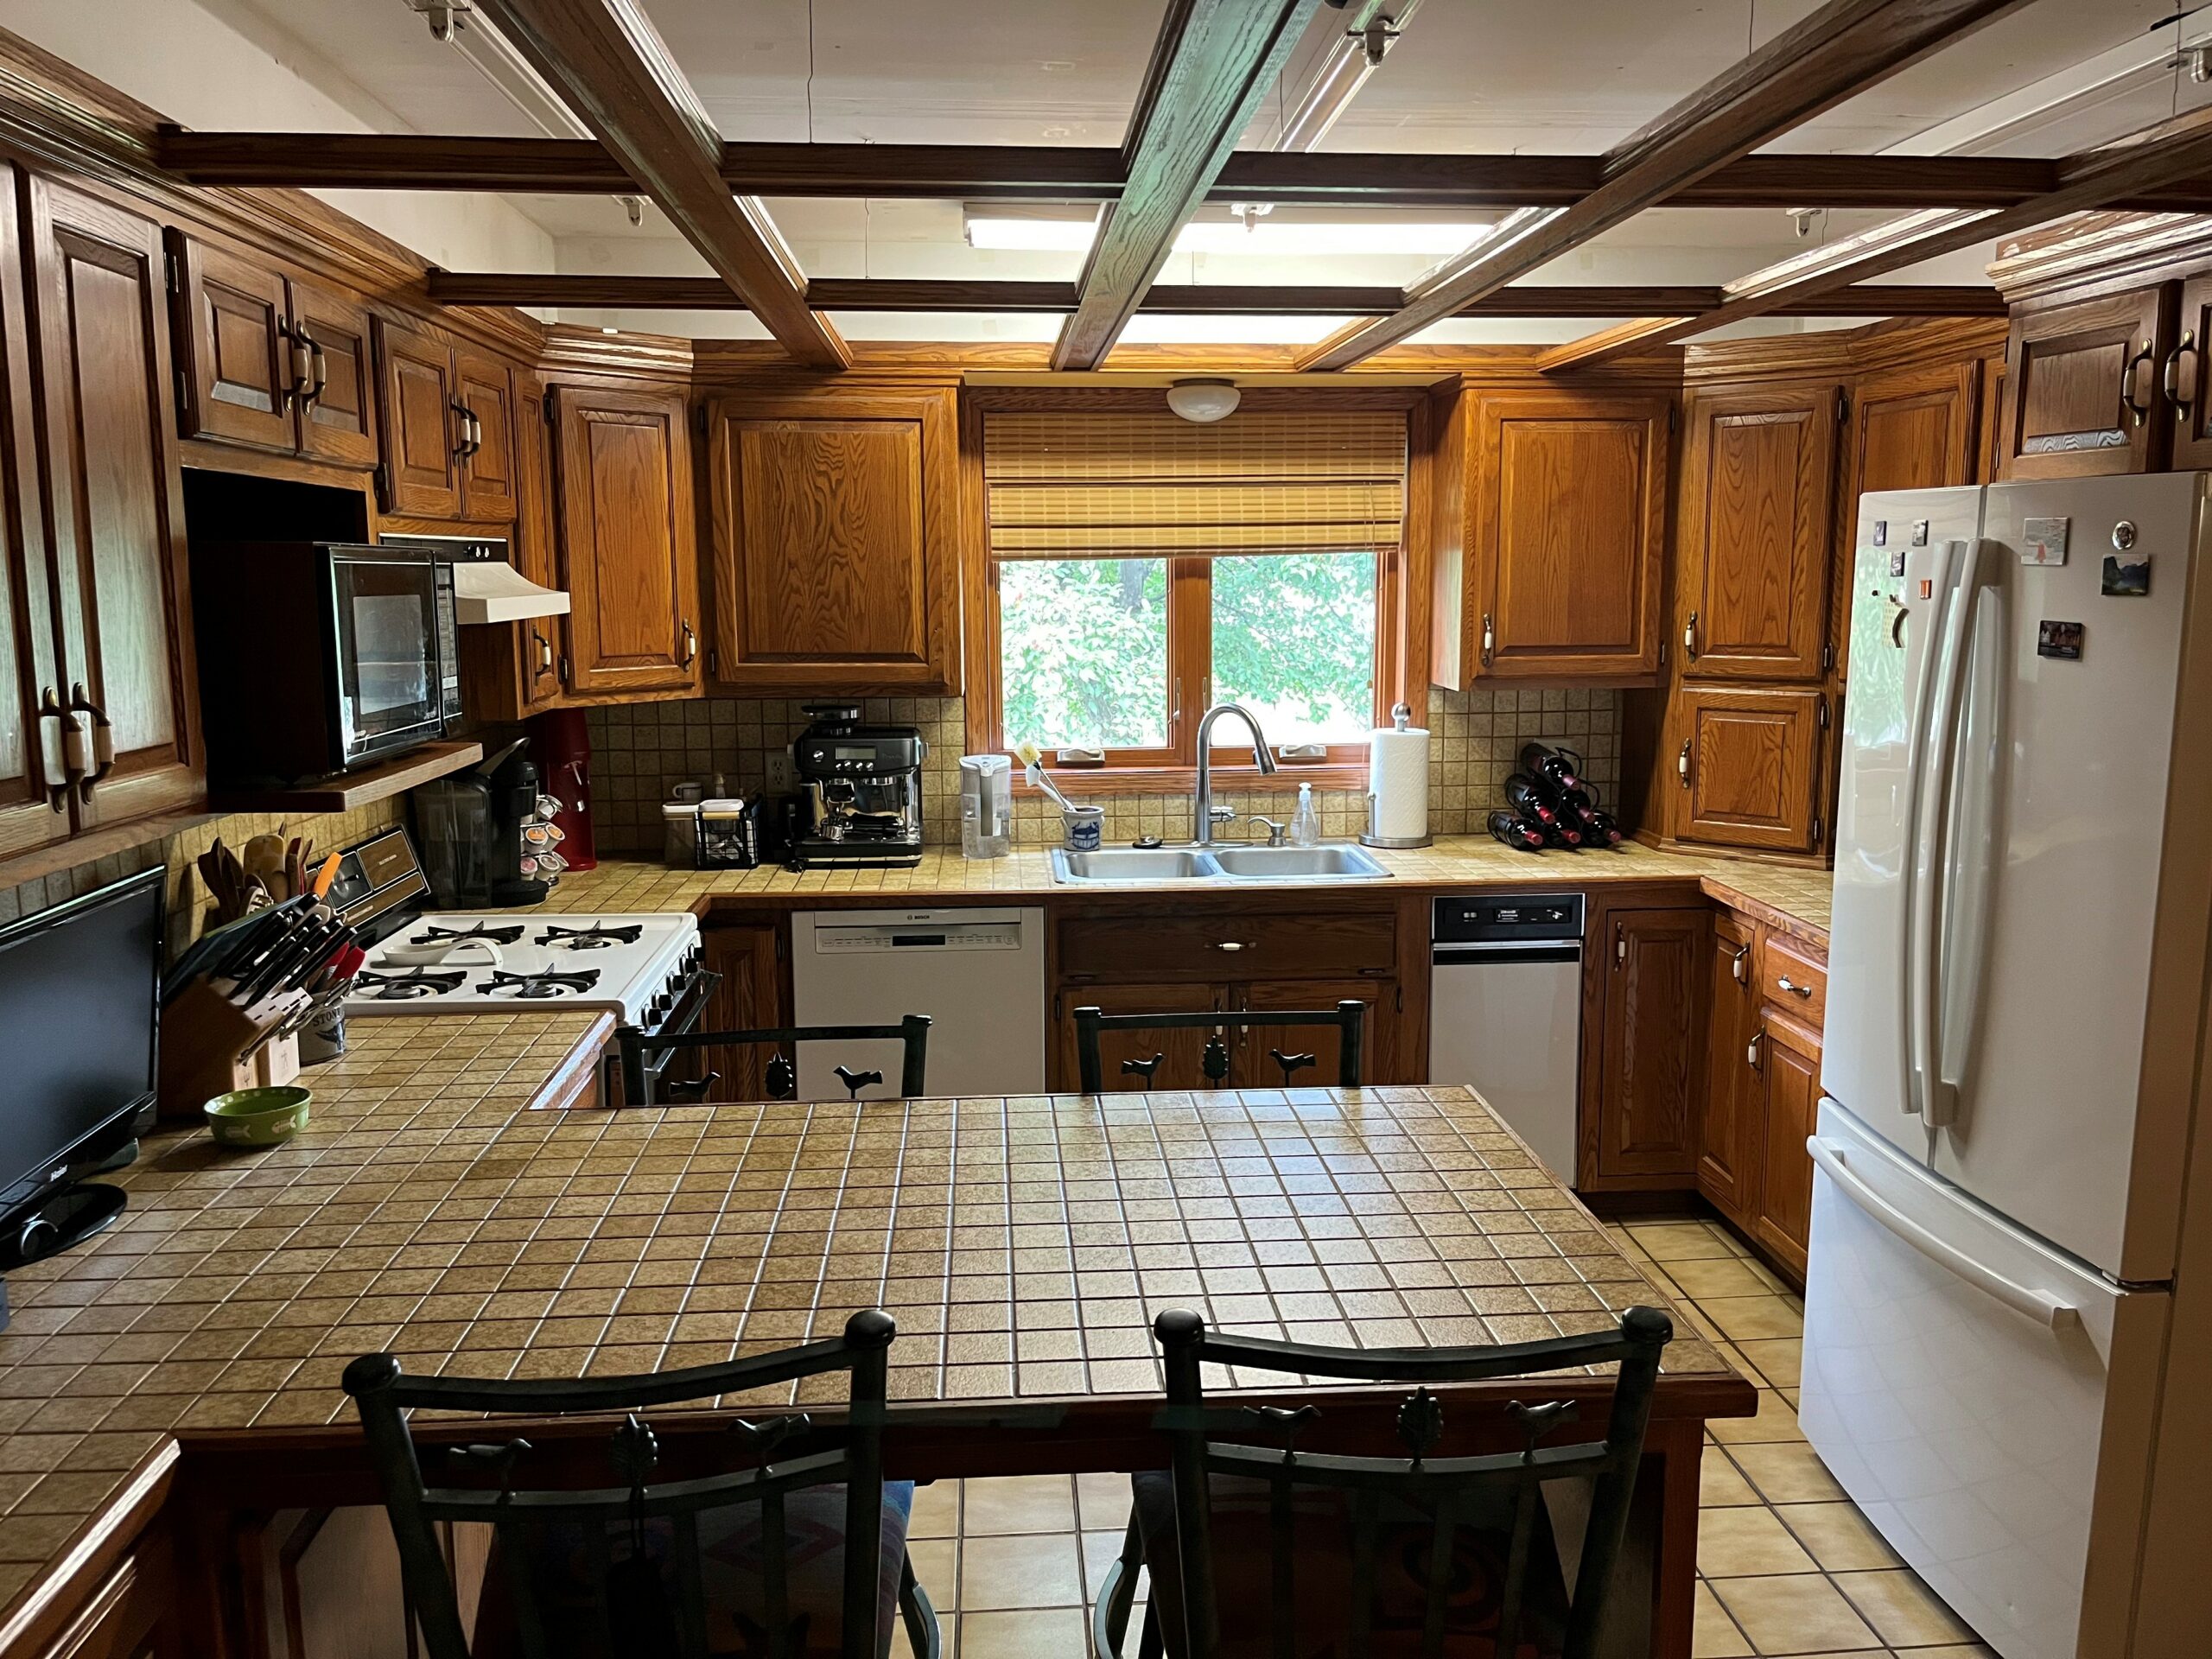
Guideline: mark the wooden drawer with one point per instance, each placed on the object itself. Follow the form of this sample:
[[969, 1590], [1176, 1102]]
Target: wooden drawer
[[1794, 975], [1227, 947]]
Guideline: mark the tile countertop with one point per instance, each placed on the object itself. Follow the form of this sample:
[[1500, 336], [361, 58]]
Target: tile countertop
[[1789, 896], [1021, 1244]]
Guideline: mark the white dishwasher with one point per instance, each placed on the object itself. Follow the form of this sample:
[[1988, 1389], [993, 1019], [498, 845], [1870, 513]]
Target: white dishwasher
[[1505, 1011], [979, 974]]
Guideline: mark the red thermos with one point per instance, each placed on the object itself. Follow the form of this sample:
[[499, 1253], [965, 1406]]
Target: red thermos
[[562, 746]]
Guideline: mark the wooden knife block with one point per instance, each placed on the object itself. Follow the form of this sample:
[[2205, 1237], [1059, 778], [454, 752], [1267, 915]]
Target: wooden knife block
[[209, 1048]]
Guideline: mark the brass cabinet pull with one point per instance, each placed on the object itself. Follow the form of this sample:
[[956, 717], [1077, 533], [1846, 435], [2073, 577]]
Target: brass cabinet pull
[[2180, 393], [1739, 966], [1791, 986], [461, 421], [544, 651], [1752, 1051], [2137, 413], [1489, 640], [1689, 637], [102, 736], [56, 777], [319, 367], [1682, 764], [691, 644]]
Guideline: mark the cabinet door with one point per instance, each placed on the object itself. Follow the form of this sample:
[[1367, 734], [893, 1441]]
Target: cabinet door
[[338, 412], [835, 550], [1789, 1067], [1181, 1052], [1747, 767], [627, 551], [749, 998], [1252, 1064], [542, 639], [1566, 535], [421, 432], [2186, 377], [1755, 510], [34, 807], [116, 501], [1655, 1012], [235, 352], [487, 467], [2081, 387], [1731, 1122]]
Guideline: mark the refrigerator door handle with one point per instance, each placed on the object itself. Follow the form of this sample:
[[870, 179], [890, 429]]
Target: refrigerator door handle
[[2046, 1309], [1968, 853], [1927, 790]]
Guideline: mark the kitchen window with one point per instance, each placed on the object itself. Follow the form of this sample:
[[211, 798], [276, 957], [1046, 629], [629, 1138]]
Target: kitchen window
[[1141, 569]]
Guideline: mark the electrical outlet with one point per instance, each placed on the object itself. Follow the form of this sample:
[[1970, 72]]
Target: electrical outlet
[[783, 776]]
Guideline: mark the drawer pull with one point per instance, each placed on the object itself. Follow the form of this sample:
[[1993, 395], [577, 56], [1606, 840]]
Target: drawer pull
[[1737, 966], [1682, 764], [1230, 945], [1791, 986]]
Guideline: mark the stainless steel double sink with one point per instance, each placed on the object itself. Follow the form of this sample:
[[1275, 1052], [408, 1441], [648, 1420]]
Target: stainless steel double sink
[[1271, 865]]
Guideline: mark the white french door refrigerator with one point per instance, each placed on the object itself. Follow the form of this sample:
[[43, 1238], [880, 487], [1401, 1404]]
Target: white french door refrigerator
[[2001, 1328]]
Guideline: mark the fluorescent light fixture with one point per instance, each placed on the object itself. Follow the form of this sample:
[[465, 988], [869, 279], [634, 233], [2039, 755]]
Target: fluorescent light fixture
[[1371, 29], [1283, 233]]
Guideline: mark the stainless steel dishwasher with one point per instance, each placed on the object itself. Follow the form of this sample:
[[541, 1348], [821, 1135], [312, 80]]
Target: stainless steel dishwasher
[[1505, 1011]]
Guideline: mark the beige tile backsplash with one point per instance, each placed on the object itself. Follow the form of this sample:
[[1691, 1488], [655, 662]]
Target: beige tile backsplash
[[641, 751]]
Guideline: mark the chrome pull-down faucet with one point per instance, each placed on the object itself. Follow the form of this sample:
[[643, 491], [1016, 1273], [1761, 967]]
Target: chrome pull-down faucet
[[1203, 814]]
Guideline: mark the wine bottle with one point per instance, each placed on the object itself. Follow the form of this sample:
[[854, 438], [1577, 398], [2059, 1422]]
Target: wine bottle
[[1602, 830], [1516, 831], [1534, 799], [1563, 833], [1560, 768]]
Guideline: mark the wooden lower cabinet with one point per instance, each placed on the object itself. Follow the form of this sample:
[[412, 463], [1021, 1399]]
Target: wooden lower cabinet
[[134, 1613], [1747, 767], [1650, 969], [1179, 1052], [1731, 1116], [1789, 1069], [750, 955], [1252, 1061]]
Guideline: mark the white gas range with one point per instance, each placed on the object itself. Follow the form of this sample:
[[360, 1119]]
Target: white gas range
[[646, 969]]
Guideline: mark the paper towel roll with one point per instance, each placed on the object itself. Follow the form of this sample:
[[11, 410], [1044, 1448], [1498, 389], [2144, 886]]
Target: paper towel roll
[[1397, 778]]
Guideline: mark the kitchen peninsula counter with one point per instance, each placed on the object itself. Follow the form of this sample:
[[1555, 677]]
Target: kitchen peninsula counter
[[184, 1368]]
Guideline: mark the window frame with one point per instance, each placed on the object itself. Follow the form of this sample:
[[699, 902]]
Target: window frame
[[1401, 606]]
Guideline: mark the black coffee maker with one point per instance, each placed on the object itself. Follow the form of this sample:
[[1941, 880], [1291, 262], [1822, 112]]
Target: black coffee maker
[[468, 833], [860, 791]]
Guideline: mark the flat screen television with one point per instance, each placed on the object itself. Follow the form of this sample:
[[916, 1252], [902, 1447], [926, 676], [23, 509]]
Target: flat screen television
[[79, 1026]]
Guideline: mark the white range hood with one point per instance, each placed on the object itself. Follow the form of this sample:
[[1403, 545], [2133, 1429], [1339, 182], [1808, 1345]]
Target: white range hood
[[491, 590]]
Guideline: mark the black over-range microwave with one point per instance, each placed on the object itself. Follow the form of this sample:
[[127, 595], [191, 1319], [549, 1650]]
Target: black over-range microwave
[[317, 657]]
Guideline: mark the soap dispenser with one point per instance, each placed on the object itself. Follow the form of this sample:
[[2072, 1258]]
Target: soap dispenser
[[1306, 823]]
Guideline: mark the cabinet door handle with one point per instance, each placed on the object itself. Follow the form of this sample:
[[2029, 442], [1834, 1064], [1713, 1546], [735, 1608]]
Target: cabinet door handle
[[1791, 986], [1489, 639], [319, 366], [461, 423], [1689, 637], [1620, 946], [102, 736], [56, 776], [1752, 1051], [1230, 945], [301, 360], [1740, 966], [691, 644], [1682, 764], [2177, 391], [2137, 413], [475, 430]]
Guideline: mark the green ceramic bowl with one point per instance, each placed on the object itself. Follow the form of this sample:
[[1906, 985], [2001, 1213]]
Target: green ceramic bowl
[[258, 1118]]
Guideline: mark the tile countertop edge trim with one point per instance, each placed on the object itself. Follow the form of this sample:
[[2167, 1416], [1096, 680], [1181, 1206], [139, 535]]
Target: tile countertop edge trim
[[1763, 910], [92, 1553]]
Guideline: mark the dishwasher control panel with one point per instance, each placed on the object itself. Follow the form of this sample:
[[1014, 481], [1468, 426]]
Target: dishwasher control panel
[[1483, 917]]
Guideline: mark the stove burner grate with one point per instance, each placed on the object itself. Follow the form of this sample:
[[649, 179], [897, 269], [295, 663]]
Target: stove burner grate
[[538, 987], [382, 986], [594, 937], [435, 934]]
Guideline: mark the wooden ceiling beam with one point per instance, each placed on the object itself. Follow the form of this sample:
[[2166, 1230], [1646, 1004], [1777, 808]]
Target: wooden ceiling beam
[[1841, 49], [373, 161], [607, 64], [2179, 147], [1213, 62], [933, 295]]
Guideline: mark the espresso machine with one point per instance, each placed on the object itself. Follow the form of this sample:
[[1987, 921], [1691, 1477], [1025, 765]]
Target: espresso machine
[[860, 790]]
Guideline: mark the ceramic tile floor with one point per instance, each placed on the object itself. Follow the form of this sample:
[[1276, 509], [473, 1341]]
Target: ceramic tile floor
[[1786, 1565]]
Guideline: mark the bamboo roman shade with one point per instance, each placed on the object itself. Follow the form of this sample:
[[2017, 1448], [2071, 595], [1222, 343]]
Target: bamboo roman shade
[[1062, 484]]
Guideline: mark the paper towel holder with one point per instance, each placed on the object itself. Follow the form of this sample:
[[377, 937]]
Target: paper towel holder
[[1401, 718]]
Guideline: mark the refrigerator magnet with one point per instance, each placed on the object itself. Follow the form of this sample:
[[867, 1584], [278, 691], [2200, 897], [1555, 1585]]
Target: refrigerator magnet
[[2060, 639], [2127, 575], [2043, 540]]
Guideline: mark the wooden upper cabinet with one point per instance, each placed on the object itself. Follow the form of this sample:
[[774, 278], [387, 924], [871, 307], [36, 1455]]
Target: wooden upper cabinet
[[338, 407], [1732, 1120], [487, 460], [33, 806], [2185, 377], [116, 502], [1757, 504], [422, 441], [1747, 767], [836, 546], [2081, 386], [236, 343], [629, 557], [1565, 537], [1913, 427], [541, 640], [1654, 967]]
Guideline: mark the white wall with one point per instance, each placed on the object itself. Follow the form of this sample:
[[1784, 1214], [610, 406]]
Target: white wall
[[205, 64]]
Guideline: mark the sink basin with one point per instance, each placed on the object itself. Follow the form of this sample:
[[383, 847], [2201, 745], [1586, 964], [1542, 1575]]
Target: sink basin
[[1297, 863], [1133, 864]]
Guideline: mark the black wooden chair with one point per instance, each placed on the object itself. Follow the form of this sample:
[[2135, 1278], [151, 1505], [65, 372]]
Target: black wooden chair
[[710, 1562], [1347, 1017], [1265, 1552], [643, 1084]]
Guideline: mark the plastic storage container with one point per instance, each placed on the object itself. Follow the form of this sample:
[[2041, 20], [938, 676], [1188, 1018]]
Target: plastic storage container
[[985, 805]]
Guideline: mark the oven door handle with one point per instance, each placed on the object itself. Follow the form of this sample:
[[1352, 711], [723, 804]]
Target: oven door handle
[[641, 1076]]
